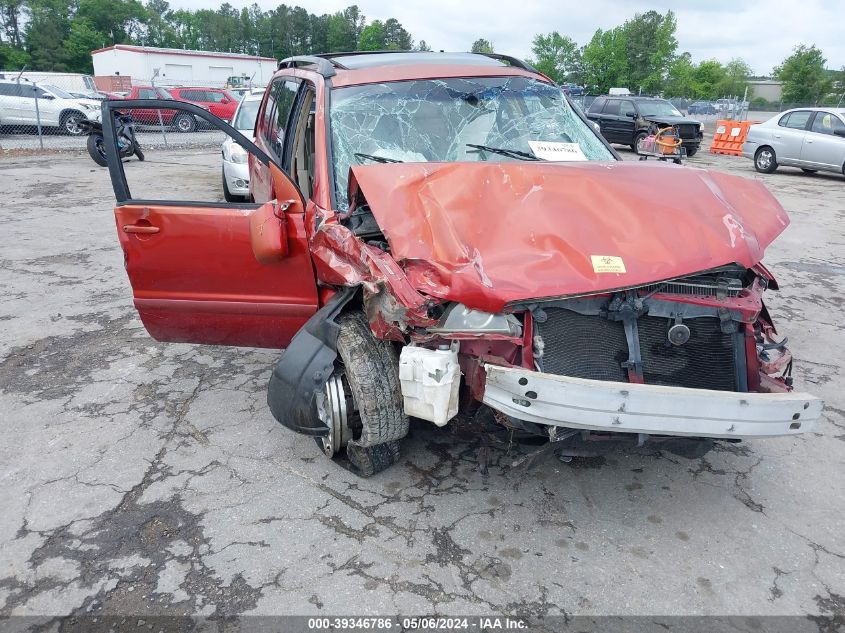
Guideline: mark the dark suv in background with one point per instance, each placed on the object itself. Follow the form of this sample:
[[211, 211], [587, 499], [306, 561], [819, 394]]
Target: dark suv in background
[[625, 120]]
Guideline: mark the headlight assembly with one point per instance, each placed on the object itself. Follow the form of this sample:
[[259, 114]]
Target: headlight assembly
[[460, 319]]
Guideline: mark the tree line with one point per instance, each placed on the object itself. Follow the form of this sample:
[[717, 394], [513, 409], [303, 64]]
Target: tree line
[[641, 54], [59, 35]]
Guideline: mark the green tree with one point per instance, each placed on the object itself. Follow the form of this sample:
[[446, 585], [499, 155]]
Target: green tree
[[708, 76], [372, 37], [11, 15], [557, 56], [396, 37], [735, 80], [680, 81], [423, 46], [482, 46], [605, 60], [650, 46], [82, 39], [12, 58], [803, 76]]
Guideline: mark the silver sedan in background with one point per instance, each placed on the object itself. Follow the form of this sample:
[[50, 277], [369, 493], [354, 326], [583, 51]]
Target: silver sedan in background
[[235, 167], [812, 139]]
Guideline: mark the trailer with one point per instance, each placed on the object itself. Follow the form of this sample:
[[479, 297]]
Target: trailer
[[174, 66]]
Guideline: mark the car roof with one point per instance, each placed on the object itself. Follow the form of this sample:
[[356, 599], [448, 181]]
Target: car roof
[[354, 68], [355, 61]]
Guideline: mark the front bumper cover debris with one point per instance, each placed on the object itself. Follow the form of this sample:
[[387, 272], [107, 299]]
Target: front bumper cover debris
[[622, 407], [305, 366]]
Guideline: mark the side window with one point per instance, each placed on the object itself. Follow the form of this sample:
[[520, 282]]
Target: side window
[[826, 123], [213, 96], [597, 105], [147, 93], [8, 90], [612, 106], [276, 114], [795, 120], [299, 161], [627, 108]]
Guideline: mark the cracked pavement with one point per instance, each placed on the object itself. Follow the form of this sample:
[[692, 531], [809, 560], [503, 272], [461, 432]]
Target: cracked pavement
[[140, 479]]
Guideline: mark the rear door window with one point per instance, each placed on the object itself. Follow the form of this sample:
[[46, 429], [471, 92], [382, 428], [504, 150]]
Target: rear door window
[[611, 107], [597, 105], [147, 93], [795, 120]]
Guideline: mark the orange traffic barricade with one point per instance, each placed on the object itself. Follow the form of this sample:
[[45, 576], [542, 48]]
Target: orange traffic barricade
[[729, 137]]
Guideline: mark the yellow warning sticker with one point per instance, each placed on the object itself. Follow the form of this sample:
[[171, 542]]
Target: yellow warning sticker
[[607, 264]]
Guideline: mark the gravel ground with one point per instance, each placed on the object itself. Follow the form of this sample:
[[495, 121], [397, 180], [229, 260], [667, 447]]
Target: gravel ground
[[139, 478]]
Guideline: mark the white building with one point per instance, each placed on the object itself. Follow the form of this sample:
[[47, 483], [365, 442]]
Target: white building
[[176, 66]]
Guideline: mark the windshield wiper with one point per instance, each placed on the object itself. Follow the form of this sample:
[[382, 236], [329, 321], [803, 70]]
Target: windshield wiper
[[378, 159], [512, 153]]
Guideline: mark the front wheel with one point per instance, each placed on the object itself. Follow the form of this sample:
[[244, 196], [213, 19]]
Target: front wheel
[[362, 402], [765, 160], [70, 123], [638, 142], [138, 152], [97, 149], [185, 123], [691, 151]]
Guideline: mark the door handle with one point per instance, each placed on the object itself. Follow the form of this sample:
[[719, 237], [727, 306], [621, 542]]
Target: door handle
[[135, 228], [809, 141]]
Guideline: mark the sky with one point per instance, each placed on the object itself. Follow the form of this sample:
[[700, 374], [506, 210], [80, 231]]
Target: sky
[[762, 32]]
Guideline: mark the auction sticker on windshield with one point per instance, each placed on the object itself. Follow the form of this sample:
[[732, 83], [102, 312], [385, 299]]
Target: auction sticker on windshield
[[607, 264], [555, 151]]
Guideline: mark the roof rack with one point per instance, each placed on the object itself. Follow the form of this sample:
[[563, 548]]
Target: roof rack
[[512, 61], [331, 56], [326, 67]]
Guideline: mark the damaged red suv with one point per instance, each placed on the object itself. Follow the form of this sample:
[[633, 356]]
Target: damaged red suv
[[443, 236]]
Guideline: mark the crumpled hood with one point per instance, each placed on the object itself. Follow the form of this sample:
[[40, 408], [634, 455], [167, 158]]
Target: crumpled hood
[[487, 234]]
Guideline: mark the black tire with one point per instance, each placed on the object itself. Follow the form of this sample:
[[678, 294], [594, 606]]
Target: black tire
[[765, 160], [185, 123], [809, 171], [138, 152], [372, 370], [96, 149], [691, 151], [227, 195], [69, 123], [637, 140]]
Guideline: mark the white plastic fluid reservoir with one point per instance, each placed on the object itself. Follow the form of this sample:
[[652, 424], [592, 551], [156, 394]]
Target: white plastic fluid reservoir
[[430, 380]]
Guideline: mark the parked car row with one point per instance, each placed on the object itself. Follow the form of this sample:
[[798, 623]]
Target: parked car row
[[57, 108], [812, 139]]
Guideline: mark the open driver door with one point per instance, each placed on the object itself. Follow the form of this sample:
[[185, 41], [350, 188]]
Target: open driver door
[[214, 272]]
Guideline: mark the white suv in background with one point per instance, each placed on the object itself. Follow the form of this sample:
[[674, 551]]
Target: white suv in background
[[56, 108], [235, 166]]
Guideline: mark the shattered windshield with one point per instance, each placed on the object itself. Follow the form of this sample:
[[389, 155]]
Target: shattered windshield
[[453, 120]]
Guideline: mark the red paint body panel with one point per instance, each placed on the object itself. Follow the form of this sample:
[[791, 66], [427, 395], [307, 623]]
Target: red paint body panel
[[197, 280], [487, 234]]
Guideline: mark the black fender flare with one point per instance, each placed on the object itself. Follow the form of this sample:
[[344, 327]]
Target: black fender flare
[[305, 366]]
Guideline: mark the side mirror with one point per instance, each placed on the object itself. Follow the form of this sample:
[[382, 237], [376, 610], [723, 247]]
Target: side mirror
[[225, 100], [633, 115], [47, 97], [839, 132], [268, 232]]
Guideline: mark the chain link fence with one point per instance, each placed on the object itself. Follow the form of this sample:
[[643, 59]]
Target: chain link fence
[[42, 112]]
